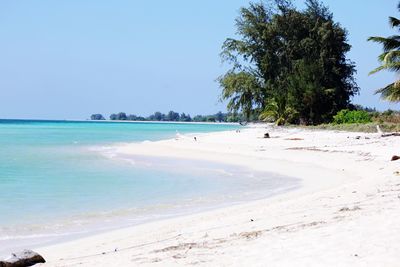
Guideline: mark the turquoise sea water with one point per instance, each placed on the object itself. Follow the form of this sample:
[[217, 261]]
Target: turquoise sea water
[[57, 179]]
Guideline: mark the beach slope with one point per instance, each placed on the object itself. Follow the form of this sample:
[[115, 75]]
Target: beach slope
[[346, 213]]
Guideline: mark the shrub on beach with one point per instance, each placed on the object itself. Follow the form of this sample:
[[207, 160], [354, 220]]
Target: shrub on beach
[[346, 116], [389, 116]]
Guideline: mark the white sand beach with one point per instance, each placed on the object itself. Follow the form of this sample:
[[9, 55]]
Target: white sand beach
[[346, 213]]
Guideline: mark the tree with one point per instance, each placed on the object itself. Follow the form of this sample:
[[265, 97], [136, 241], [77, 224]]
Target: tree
[[280, 114], [220, 117], [199, 118], [294, 61], [172, 116], [97, 117], [132, 117], [233, 117], [158, 116], [210, 119], [390, 60], [120, 116], [185, 118]]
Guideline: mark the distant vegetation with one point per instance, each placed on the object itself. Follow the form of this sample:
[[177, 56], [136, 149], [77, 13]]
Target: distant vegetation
[[98, 117], [345, 119], [173, 116]]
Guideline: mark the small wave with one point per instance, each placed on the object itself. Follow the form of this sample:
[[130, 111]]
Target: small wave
[[37, 236]]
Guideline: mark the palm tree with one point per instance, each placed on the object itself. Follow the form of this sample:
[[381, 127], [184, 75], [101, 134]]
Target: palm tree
[[390, 60], [278, 112]]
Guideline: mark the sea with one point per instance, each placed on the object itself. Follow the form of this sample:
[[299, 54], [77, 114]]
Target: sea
[[61, 180]]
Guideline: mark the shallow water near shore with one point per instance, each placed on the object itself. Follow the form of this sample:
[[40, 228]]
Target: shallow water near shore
[[61, 180]]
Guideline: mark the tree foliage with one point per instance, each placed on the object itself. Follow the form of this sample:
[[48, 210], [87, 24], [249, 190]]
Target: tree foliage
[[97, 117], [390, 60], [346, 116], [174, 116], [119, 116], [291, 60]]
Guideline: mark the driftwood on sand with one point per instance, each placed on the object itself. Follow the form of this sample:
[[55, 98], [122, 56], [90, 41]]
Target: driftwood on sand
[[394, 158], [390, 134], [22, 259], [386, 134]]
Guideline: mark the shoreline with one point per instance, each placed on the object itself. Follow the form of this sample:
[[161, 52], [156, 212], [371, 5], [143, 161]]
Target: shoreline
[[338, 171], [126, 121], [169, 210]]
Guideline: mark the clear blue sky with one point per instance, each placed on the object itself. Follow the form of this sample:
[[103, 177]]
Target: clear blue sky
[[69, 59]]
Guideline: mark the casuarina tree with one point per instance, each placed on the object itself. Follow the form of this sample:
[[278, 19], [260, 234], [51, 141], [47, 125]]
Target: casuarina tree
[[289, 65]]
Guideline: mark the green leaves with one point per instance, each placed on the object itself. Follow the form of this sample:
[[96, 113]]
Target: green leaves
[[389, 43], [346, 116], [242, 90], [394, 22], [391, 92], [291, 64], [390, 60], [280, 114]]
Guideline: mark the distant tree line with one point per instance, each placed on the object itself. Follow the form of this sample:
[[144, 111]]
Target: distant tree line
[[174, 116]]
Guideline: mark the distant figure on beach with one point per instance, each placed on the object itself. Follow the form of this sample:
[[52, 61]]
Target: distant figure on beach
[[195, 139]]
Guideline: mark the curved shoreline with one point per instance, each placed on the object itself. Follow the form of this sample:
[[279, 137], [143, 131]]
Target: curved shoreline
[[129, 217], [339, 173]]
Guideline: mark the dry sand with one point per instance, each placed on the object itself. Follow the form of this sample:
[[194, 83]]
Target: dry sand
[[347, 212]]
